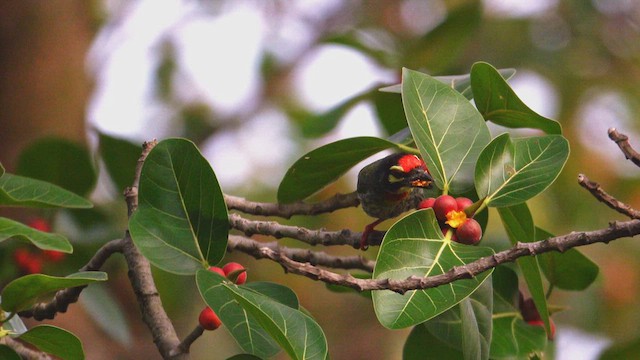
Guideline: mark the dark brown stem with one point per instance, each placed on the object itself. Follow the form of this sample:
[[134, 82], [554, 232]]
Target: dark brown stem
[[25, 352], [66, 297], [311, 237], [596, 190], [623, 143], [316, 258], [185, 345], [339, 201], [559, 243]]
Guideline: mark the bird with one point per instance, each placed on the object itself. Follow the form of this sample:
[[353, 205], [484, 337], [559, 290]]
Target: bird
[[390, 186]]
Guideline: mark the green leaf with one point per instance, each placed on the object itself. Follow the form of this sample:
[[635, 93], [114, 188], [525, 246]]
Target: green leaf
[[629, 350], [421, 342], [510, 172], [298, 334], [51, 160], [414, 246], [569, 270], [448, 130], [460, 83], [322, 166], [497, 102], [24, 292], [518, 223], [181, 224], [512, 337], [7, 353], [21, 191], [317, 125], [277, 292], [43, 240], [390, 111], [120, 158], [468, 325], [55, 341], [244, 357]]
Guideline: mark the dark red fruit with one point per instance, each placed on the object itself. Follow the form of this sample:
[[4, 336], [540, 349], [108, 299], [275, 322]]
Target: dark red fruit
[[217, 270], [426, 203], [40, 224], [27, 262], [53, 256], [469, 233], [208, 319], [463, 203], [235, 272], [443, 205]]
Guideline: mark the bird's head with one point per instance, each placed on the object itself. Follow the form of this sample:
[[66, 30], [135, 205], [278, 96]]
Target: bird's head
[[409, 171]]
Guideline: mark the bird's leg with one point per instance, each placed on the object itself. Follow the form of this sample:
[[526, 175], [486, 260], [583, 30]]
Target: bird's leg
[[364, 240]]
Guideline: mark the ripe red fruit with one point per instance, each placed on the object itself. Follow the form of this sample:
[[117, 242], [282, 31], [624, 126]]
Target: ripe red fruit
[[217, 270], [235, 272], [443, 205], [469, 233], [426, 203], [208, 319], [463, 203], [27, 262], [53, 256], [40, 224]]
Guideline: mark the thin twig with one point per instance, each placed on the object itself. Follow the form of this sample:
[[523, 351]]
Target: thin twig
[[66, 297], [25, 352], [596, 190], [338, 201], [185, 345], [562, 243], [317, 258], [623, 143], [311, 237]]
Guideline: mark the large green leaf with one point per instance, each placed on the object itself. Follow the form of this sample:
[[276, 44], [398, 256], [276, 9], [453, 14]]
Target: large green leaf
[[319, 124], [512, 337], [17, 190], [297, 333], [497, 102], [414, 246], [51, 159], [468, 325], [181, 224], [322, 166], [569, 270], [55, 341], [390, 111], [518, 223], [24, 292], [421, 342], [43, 240], [510, 172], [448, 130], [120, 158]]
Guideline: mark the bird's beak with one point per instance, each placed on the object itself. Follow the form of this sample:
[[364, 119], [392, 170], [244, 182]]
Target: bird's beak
[[419, 178]]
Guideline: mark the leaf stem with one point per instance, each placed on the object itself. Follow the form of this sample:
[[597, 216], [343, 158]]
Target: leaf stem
[[408, 149]]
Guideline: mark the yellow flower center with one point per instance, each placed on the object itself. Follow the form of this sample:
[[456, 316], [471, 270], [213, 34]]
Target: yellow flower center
[[456, 218]]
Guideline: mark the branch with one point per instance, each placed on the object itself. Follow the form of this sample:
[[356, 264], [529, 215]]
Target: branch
[[25, 352], [66, 297], [623, 143], [562, 243], [185, 345], [596, 190], [338, 201], [311, 237], [316, 258]]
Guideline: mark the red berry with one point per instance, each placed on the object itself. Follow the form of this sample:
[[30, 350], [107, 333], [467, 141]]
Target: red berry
[[21, 256], [469, 233], [217, 270], [235, 272], [54, 256], [426, 203], [40, 224], [27, 262], [208, 319], [33, 267], [463, 203], [443, 205]]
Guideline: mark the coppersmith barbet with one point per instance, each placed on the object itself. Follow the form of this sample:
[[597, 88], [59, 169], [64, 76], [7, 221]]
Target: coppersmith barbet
[[390, 186]]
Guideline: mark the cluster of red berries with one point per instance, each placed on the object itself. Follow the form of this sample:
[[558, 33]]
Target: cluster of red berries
[[208, 319], [531, 315], [31, 262], [451, 215]]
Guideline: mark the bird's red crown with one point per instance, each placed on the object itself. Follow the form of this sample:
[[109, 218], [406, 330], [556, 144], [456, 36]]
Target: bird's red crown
[[409, 162]]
